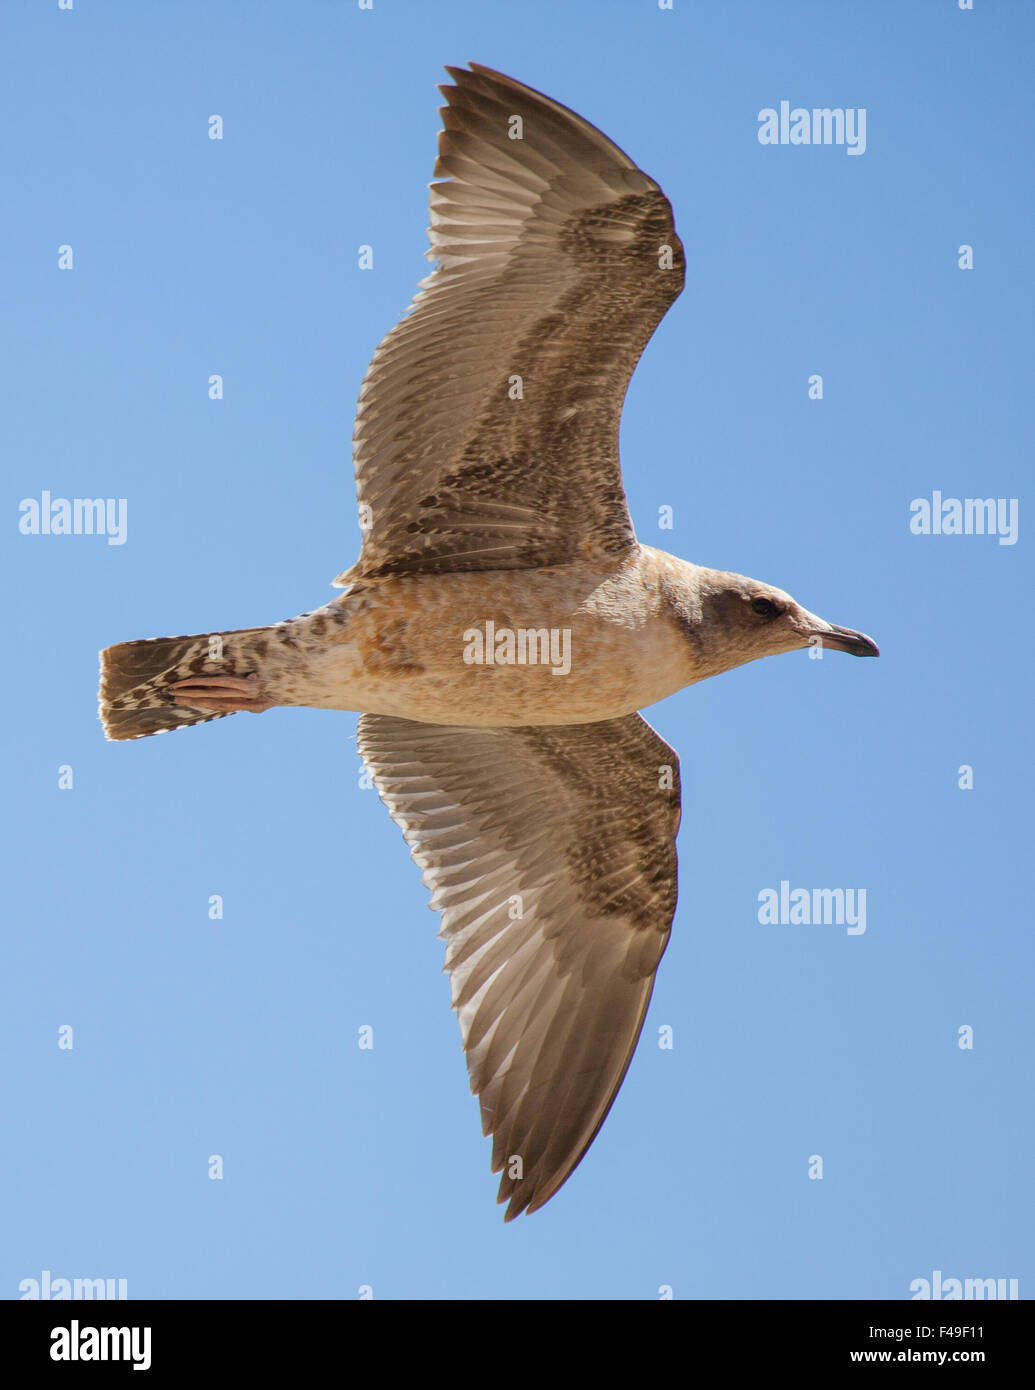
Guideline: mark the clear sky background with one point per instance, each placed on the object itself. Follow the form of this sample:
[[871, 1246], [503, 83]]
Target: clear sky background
[[194, 1037]]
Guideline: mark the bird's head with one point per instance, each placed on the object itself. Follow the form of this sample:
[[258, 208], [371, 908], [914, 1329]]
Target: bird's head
[[735, 619]]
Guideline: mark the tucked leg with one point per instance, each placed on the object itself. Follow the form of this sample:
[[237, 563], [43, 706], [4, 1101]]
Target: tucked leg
[[227, 694]]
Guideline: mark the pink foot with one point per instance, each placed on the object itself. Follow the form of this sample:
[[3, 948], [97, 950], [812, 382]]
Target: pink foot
[[227, 694]]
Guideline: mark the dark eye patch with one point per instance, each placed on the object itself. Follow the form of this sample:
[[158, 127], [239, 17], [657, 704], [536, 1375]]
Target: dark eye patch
[[764, 607]]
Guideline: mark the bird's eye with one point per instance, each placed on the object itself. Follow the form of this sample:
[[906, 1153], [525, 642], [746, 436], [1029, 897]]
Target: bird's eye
[[764, 607]]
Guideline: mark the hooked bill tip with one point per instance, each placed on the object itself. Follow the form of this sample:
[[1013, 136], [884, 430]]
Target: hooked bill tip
[[846, 639]]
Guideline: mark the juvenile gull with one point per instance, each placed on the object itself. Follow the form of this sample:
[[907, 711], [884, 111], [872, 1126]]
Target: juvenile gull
[[541, 808]]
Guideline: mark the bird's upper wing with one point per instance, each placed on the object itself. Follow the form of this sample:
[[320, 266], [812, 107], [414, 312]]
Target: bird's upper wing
[[486, 434], [550, 853]]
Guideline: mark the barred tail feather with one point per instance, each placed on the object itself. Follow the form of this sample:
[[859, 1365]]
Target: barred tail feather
[[134, 697]]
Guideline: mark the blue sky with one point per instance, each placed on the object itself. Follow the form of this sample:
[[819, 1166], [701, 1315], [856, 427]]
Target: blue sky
[[346, 1168]]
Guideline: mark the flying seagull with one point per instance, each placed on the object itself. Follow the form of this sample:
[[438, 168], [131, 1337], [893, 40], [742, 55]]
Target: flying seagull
[[502, 625]]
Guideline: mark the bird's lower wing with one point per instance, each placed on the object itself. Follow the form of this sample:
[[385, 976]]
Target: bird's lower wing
[[550, 853]]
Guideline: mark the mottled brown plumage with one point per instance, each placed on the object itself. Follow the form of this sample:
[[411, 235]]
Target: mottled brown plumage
[[541, 808], [557, 258], [551, 854]]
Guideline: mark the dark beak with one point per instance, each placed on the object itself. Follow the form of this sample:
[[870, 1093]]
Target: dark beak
[[846, 639]]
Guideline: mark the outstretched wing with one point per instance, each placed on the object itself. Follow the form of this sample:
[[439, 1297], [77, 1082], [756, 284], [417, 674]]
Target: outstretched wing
[[550, 853], [486, 435]]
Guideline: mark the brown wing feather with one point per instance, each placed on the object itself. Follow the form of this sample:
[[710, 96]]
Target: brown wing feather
[[557, 258], [551, 854]]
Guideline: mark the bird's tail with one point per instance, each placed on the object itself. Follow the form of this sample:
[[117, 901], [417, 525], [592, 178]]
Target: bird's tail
[[135, 699]]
